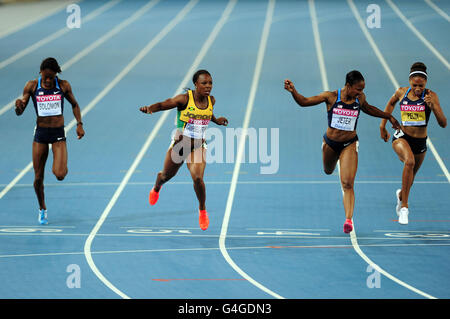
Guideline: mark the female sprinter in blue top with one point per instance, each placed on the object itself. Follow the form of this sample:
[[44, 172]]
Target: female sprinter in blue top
[[195, 111], [48, 93], [340, 142], [410, 142]]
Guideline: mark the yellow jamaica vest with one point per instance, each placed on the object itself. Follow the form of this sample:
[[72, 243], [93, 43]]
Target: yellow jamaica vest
[[194, 121]]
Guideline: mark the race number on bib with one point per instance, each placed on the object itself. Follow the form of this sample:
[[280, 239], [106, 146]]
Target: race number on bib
[[49, 105], [398, 133], [344, 119]]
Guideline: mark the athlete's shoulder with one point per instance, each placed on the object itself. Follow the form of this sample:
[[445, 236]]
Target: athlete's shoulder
[[183, 97], [213, 99], [329, 96], [181, 100], [65, 86], [401, 91], [32, 83], [31, 86]]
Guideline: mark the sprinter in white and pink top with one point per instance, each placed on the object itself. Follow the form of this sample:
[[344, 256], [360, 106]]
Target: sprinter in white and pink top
[[48, 93], [340, 142]]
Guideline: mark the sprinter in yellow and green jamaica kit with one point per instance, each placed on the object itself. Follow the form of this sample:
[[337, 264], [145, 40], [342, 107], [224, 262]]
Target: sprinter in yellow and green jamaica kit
[[195, 111]]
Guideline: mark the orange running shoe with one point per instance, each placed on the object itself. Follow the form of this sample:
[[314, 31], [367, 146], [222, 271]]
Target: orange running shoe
[[203, 220], [153, 197], [348, 226]]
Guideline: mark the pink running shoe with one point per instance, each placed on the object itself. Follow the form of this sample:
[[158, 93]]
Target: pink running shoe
[[153, 196], [348, 226]]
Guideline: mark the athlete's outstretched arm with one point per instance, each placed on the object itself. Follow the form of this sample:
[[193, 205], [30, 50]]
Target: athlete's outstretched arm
[[432, 101], [168, 104], [305, 101], [389, 109], [374, 111], [21, 104]]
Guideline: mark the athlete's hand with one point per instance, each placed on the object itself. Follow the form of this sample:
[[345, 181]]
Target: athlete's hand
[[395, 123], [222, 121], [429, 99], [80, 131], [20, 106], [289, 86], [145, 109], [384, 134]]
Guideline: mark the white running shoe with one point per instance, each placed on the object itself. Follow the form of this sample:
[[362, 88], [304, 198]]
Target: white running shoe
[[403, 216], [399, 202]]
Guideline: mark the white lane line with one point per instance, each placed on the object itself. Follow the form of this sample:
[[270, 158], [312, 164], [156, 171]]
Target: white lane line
[[151, 137], [21, 24], [96, 43], [282, 229], [97, 184], [56, 233], [438, 159], [103, 93], [240, 154], [418, 34], [438, 10], [55, 35], [215, 248], [411, 231], [318, 44], [353, 237], [35, 226]]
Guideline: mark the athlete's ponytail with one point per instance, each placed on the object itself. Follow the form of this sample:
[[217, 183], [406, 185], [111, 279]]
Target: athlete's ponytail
[[52, 64], [418, 69]]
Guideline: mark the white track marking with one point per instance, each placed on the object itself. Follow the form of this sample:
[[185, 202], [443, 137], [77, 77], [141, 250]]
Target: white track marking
[[353, 233], [251, 100], [105, 91], [293, 246], [273, 237], [27, 22], [154, 132], [418, 34], [438, 10], [318, 44]]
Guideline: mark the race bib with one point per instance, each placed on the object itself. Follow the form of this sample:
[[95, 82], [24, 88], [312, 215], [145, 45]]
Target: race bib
[[398, 133], [49, 105], [344, 119], [413, 115], [196, 128]]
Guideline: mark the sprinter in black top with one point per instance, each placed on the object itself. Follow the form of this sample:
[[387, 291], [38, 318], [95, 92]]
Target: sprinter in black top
[[48, 93], [340, 141], [409, 142]]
